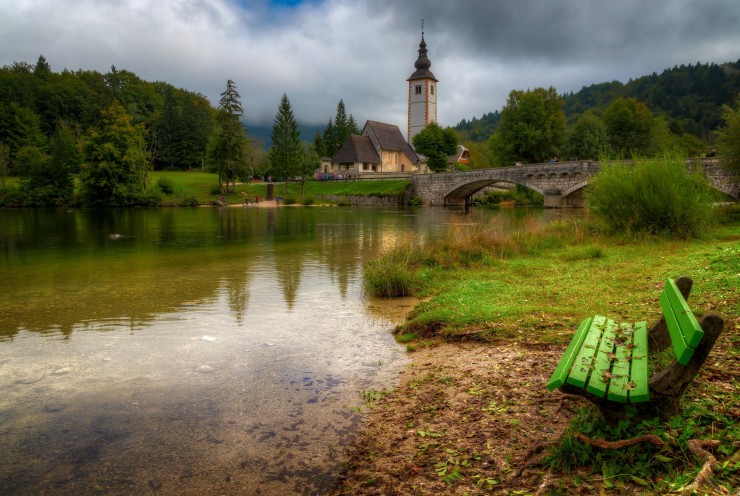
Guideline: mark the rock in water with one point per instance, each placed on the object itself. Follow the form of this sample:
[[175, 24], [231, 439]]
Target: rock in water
[[208, 338], [62, 371], [54, 407], [205, 369], [31, 379]]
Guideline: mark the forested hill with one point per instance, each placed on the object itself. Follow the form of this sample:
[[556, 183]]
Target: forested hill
[[690, 96], [34, 100]]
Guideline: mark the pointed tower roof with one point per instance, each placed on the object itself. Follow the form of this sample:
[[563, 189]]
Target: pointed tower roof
[[422, 63]]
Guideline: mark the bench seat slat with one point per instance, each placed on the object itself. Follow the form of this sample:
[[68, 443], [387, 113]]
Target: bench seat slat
[[603, 361], [560, 375], [639, 365], [688, 324], [619, 385], [584, 360], [683, 350]]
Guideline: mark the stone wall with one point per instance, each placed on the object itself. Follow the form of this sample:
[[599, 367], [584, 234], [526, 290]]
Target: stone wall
[[367, 201]]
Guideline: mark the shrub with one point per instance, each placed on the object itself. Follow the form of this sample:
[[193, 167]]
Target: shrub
[[190, 201], [728, 213], [289, 200], [309, 200], [655, 196], [165, 185]]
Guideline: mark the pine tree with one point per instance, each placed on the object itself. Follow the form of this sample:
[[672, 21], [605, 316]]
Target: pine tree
[[352, 125], [228, 146], [330, 147], [286, 151], [342, 128]]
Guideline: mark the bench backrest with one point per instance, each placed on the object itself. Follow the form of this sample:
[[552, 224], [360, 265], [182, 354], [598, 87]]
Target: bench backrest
[[685, 331]]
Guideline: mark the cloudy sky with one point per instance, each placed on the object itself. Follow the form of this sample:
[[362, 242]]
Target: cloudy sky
[[318, 51]]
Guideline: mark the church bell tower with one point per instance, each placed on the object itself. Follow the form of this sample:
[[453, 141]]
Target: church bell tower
[[422, 92]]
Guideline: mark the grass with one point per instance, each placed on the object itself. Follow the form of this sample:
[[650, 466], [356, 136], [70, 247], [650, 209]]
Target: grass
[[202, 186], [537, 286]]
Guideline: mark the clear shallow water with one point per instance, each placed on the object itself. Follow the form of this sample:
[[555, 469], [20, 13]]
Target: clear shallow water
[[195, 351]]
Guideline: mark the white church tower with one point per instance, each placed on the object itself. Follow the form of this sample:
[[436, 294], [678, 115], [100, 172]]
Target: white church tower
[[422, 93]]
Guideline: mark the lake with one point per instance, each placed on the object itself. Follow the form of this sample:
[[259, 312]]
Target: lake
[[195, 351]]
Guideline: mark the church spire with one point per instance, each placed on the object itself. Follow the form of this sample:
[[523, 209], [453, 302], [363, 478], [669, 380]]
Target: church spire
[[422, 63]]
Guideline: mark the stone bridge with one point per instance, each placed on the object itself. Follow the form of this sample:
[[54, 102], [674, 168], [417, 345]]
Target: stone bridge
[[561, 184]]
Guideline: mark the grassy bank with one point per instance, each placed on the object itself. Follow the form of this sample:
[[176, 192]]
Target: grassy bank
[[203, 187], [497, 311], [481, 283]]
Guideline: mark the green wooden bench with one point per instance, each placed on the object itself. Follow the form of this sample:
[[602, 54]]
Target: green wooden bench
[[609, 360]]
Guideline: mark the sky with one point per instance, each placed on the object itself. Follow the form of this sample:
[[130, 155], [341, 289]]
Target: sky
[[363, 51]]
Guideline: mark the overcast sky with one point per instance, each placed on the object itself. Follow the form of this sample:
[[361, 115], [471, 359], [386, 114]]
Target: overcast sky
[[318, 51]]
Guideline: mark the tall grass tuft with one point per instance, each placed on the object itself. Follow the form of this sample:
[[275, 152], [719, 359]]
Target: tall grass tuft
[[394, 273], [653, 196]]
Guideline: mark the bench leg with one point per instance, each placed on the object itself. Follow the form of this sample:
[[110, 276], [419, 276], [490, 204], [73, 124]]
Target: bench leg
[[667, 386], [658, 336]]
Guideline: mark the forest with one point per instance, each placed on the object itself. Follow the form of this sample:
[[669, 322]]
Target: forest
[[686, 101], [60, 132]]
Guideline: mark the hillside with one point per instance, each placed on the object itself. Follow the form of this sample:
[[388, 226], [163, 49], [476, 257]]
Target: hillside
[[690, 96]]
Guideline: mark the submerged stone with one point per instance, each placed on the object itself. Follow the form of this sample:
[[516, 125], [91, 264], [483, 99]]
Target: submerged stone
[[32, 379]]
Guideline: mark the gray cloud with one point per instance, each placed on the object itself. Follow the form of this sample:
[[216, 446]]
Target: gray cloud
[[363, 51]]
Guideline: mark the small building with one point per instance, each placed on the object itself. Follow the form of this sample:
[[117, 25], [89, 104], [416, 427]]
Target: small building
[[379, 149], [462, 156]]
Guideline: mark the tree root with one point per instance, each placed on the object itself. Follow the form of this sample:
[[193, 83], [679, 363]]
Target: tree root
[[601, 443], [537, 448], [696, 447], [560, 399]]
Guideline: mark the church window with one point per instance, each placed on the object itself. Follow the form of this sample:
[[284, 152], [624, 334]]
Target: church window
[[432, 89], [417, 89]]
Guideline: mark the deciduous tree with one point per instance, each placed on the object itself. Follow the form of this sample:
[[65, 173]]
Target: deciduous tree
[[115, 160], [436, 144], [629, 126], [531, 128]]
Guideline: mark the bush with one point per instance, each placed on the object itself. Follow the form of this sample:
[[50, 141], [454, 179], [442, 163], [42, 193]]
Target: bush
[[309, 200], [289, 200], [728, 213], [190, 201], [518, 194], [655, 196], [165, 185]]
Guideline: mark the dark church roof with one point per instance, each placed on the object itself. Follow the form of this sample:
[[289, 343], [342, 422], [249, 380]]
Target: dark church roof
[[357, 149], [422, 64], [389, 137]]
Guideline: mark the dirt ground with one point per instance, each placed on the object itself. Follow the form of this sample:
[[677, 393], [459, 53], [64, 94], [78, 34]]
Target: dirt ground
[[476, 414], [461, 408]]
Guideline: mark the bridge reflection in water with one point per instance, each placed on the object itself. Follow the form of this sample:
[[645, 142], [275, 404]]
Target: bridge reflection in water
[[560, 183]]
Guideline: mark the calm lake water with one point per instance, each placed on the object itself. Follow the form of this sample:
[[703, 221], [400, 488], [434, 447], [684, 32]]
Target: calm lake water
[[194, 351]]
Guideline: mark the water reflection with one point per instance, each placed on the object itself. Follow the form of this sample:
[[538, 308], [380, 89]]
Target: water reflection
[[201, 351]]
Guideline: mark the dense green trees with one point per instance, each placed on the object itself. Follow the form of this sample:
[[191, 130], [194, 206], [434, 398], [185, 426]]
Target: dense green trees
[[685, 105], [286, 153], [116, 160], [436, 144], [531, 129]]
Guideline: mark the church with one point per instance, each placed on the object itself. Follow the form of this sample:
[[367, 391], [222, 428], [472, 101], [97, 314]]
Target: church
[[380, 150]]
